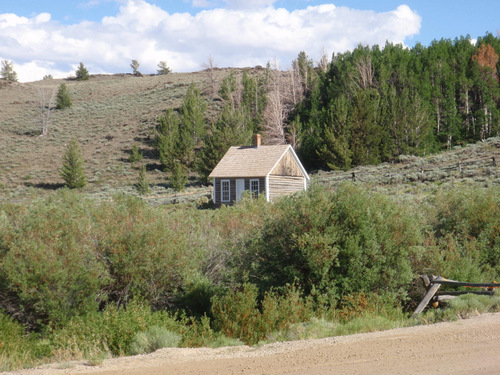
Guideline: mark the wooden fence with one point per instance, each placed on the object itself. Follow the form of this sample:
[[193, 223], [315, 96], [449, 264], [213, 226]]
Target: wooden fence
[[433, 294]]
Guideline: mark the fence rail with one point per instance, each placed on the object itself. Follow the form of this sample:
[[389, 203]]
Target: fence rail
[[433, 284]]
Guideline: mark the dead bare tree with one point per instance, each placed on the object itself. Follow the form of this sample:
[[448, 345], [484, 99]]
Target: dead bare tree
[[46, 105], [210, 68], [285, 90], [323, 61], [364, 76]]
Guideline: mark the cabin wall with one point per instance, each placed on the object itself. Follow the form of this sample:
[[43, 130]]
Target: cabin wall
[[232, 191], [262, 184], [284, 185]]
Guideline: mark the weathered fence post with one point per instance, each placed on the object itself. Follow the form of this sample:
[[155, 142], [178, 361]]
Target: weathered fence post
[[428, 296]]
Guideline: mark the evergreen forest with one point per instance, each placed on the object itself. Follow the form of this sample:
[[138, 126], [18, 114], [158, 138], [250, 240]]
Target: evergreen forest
[[372, 104]]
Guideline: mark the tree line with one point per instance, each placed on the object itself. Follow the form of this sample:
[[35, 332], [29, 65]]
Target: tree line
[[373, 104]]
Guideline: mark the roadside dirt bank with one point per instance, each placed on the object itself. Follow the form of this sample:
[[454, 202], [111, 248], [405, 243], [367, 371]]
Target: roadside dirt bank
[[468, 346]]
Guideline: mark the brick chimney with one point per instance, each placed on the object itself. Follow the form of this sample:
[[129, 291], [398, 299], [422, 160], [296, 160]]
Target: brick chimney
[[256, 140]]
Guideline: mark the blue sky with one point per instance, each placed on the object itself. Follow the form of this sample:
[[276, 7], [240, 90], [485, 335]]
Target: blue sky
[[53, 36]]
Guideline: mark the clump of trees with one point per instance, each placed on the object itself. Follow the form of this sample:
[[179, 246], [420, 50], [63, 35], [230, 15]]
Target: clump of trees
[[186, 140], [177, 134], [373, 104]]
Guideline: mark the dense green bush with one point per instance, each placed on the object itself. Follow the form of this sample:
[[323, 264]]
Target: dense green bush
[[239, 314], [336, 243], [48, 262], [469, 219]]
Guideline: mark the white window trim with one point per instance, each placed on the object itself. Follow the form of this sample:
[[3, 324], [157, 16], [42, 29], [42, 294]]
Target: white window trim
[[222, 190], [258, 186], [267, 189], [214, 193]]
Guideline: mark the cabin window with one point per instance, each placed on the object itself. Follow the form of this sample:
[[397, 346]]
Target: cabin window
[[225, 190], [254, 188]]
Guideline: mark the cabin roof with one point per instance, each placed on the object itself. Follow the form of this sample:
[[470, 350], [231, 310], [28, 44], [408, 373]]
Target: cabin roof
[[251, 161]]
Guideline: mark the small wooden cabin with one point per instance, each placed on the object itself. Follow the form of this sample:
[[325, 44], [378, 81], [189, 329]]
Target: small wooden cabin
[[270, 170]]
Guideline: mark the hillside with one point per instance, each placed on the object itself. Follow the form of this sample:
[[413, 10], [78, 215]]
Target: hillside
[[111, 113]]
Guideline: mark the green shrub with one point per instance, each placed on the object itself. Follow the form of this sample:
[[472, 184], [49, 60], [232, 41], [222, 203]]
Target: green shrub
[[17, 348], [111, 331], [468, 221], [153, 339], [196, 295], [47, 262], [285, 307], [238, 313]]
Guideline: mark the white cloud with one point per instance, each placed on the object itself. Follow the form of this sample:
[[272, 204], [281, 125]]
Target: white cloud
[[234, 36], [248, 4]]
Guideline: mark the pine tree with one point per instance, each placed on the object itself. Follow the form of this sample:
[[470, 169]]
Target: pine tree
[[163, 68], [193, 113], [135, 154], [8, 72], [63, 98], [72, 169], [179, 177], [142, 185], [82, 74], [167, 139], [231, 129]]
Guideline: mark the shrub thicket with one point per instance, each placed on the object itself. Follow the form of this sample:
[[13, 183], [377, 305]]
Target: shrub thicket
[[335, 243], [89, 275], [153, 339]]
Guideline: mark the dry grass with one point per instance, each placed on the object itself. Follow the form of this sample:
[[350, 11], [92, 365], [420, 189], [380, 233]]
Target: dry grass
[[110, 114], [410, 175]]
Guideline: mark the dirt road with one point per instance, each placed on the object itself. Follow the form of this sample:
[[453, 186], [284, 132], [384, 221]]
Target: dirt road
[[465, 347]]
